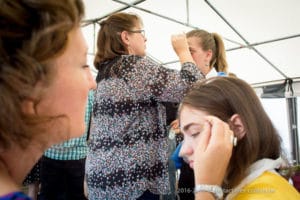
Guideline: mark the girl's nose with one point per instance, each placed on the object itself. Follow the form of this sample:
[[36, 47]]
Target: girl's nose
[[185, 150]]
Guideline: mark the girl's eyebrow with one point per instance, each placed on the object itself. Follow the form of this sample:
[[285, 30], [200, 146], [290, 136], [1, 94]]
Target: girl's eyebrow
[[186, 127]]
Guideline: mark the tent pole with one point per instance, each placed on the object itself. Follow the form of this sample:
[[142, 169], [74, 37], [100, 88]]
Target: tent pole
[[293, 127], [265, 42], [92, 21], [247, 43], [187, 12], [169, 18], [156, 14]]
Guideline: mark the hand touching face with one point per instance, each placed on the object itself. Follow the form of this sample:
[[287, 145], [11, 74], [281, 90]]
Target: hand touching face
[[207, 144]]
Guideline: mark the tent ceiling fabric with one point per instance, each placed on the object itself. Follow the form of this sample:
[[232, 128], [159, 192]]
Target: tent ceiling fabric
[[272, 27]]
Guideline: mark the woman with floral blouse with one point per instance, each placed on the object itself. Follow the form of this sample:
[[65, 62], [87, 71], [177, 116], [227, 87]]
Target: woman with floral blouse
[[128, 142]]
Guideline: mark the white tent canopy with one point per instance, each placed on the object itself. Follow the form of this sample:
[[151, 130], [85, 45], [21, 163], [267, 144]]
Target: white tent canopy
[[262, 37]]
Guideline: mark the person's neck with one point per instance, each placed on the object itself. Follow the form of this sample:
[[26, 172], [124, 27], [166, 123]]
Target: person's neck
[[206, 70], [15, 164], [7, 185]]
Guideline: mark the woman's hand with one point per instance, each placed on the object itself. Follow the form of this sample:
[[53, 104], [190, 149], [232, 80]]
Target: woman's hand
[[181, 48]]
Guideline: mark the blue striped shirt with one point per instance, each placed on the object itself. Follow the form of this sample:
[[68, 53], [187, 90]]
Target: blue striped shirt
[[75, 148]]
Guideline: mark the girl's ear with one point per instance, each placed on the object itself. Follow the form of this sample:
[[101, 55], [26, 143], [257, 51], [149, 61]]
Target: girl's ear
[[124, 37], [209, 54], [237, 126]]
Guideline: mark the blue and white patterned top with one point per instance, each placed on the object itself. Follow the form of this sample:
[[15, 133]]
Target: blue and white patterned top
[[75, 148], [128, 142]]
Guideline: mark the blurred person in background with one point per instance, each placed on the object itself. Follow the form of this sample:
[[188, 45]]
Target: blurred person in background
[[43, 70]]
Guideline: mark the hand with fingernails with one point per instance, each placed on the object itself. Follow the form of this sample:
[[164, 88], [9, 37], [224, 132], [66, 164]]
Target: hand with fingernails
[[214, 150]]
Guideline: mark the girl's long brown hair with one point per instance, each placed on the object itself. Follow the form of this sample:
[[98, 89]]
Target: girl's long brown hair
[[225, 96]]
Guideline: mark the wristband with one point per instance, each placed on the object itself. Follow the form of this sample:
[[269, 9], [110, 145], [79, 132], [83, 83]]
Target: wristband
[[214, 189]]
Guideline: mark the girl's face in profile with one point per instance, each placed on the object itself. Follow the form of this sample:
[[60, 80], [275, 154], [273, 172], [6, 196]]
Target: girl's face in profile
[[191, 125], [201, 57], [68, 93]]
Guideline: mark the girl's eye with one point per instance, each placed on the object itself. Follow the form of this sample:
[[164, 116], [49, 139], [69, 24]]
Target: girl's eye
[[85, 66], [195, 134]]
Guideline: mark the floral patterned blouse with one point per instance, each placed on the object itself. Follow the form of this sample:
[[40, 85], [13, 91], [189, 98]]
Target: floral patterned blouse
[[128, 139]]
